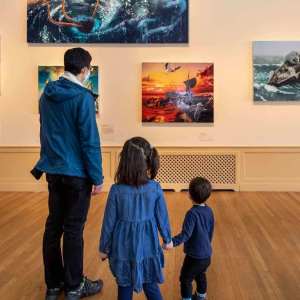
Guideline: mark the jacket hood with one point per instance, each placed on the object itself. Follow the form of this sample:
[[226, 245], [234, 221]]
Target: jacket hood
[[63, 90]]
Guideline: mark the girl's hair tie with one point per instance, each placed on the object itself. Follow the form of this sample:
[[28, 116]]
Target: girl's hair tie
[[138, 148]]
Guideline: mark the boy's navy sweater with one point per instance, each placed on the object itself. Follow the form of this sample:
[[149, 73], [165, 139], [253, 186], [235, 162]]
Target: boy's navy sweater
[[197, 232]]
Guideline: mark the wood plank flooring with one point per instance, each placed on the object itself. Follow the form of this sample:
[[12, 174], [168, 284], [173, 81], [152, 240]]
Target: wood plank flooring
[[256, 246]]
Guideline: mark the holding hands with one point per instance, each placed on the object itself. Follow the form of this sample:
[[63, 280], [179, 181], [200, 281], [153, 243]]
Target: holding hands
[[97, 189], [168, 246], [103, 256]]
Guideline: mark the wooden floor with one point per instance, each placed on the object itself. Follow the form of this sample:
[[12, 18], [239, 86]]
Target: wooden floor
[[256, 246]]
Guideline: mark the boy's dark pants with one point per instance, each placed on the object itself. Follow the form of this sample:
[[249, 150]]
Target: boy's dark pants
[[193, 269], [69, 201]]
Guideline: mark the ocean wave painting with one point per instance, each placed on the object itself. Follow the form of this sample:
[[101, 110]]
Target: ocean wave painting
[[109, 21], [276, 68], [47, 74]]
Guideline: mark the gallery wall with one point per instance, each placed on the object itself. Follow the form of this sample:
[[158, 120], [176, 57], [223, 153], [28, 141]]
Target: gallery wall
[[221, 31]]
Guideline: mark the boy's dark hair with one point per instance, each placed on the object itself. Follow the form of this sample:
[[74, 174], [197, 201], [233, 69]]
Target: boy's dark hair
[[200, 189], [139, 162], [76, 59]]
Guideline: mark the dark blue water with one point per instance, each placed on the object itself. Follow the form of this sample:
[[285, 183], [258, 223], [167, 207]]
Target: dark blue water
[[116, 21]]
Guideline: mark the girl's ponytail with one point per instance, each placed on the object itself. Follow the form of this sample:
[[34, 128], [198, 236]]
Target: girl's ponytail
[[154, 162]]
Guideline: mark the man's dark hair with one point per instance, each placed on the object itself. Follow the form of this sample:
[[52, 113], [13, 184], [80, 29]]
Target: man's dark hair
[[139, 162], [200, 189], [76, 59]]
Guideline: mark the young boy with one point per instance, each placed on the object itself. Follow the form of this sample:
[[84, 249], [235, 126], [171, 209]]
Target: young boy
[[196, 234]]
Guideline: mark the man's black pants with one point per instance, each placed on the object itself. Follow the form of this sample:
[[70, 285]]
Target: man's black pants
[[193, 269], [69, 201]]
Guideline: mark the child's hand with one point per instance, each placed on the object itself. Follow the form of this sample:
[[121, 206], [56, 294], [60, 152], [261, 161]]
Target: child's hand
[[168, 246], [103, 256], [97, 189]]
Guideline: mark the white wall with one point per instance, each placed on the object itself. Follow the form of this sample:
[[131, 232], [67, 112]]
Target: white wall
[[221, 31]]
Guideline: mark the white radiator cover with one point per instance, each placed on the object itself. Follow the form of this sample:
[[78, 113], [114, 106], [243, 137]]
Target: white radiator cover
[[177, 169]]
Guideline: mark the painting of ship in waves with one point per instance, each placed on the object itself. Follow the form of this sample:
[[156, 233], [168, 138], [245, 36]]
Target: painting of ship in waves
[[276, 67], [178, 92], [52, 73], [109, 21]]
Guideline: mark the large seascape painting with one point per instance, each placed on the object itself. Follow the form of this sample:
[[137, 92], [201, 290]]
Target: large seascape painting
[[109, 21]]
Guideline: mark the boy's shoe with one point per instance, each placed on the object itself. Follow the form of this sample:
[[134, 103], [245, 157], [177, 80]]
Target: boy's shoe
[[53, 294], [87, 288]]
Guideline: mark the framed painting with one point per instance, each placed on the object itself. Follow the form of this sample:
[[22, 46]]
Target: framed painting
[[178, 92], [276, 71], [51, 73], [109, 21]]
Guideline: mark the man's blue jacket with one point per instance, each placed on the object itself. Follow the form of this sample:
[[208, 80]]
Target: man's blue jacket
[[70, 143]]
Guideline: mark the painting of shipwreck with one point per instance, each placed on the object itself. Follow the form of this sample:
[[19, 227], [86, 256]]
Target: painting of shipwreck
[[107, 21], [276, 67], [178, 92]]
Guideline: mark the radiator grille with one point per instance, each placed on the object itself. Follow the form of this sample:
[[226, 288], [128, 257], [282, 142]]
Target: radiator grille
[[219, 169]]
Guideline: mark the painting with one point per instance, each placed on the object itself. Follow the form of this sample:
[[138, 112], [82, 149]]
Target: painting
[[51, 73], [178, 92], [109, 21], [276, 68]]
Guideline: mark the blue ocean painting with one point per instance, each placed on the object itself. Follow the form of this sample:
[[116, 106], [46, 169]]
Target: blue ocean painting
[[51, 73], [109, 21], [276, 67]]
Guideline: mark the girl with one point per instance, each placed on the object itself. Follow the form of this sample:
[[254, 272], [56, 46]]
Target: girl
[[135, 212]]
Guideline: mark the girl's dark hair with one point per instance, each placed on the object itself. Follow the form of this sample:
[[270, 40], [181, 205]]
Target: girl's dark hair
[[76, 59], [200, 189], [139, 162]]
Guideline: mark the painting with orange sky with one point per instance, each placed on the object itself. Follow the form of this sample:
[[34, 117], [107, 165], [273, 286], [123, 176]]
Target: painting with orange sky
[[178, 92]]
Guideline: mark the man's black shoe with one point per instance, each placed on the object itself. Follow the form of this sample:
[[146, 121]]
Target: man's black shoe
[[197, 297], [53, 294], [87, 288]]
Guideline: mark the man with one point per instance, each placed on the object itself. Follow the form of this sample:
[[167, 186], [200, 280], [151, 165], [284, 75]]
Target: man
[[71, 158]]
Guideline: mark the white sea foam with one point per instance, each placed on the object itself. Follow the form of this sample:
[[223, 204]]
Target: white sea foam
[[258, 85], [260, 98], [271, 88]]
